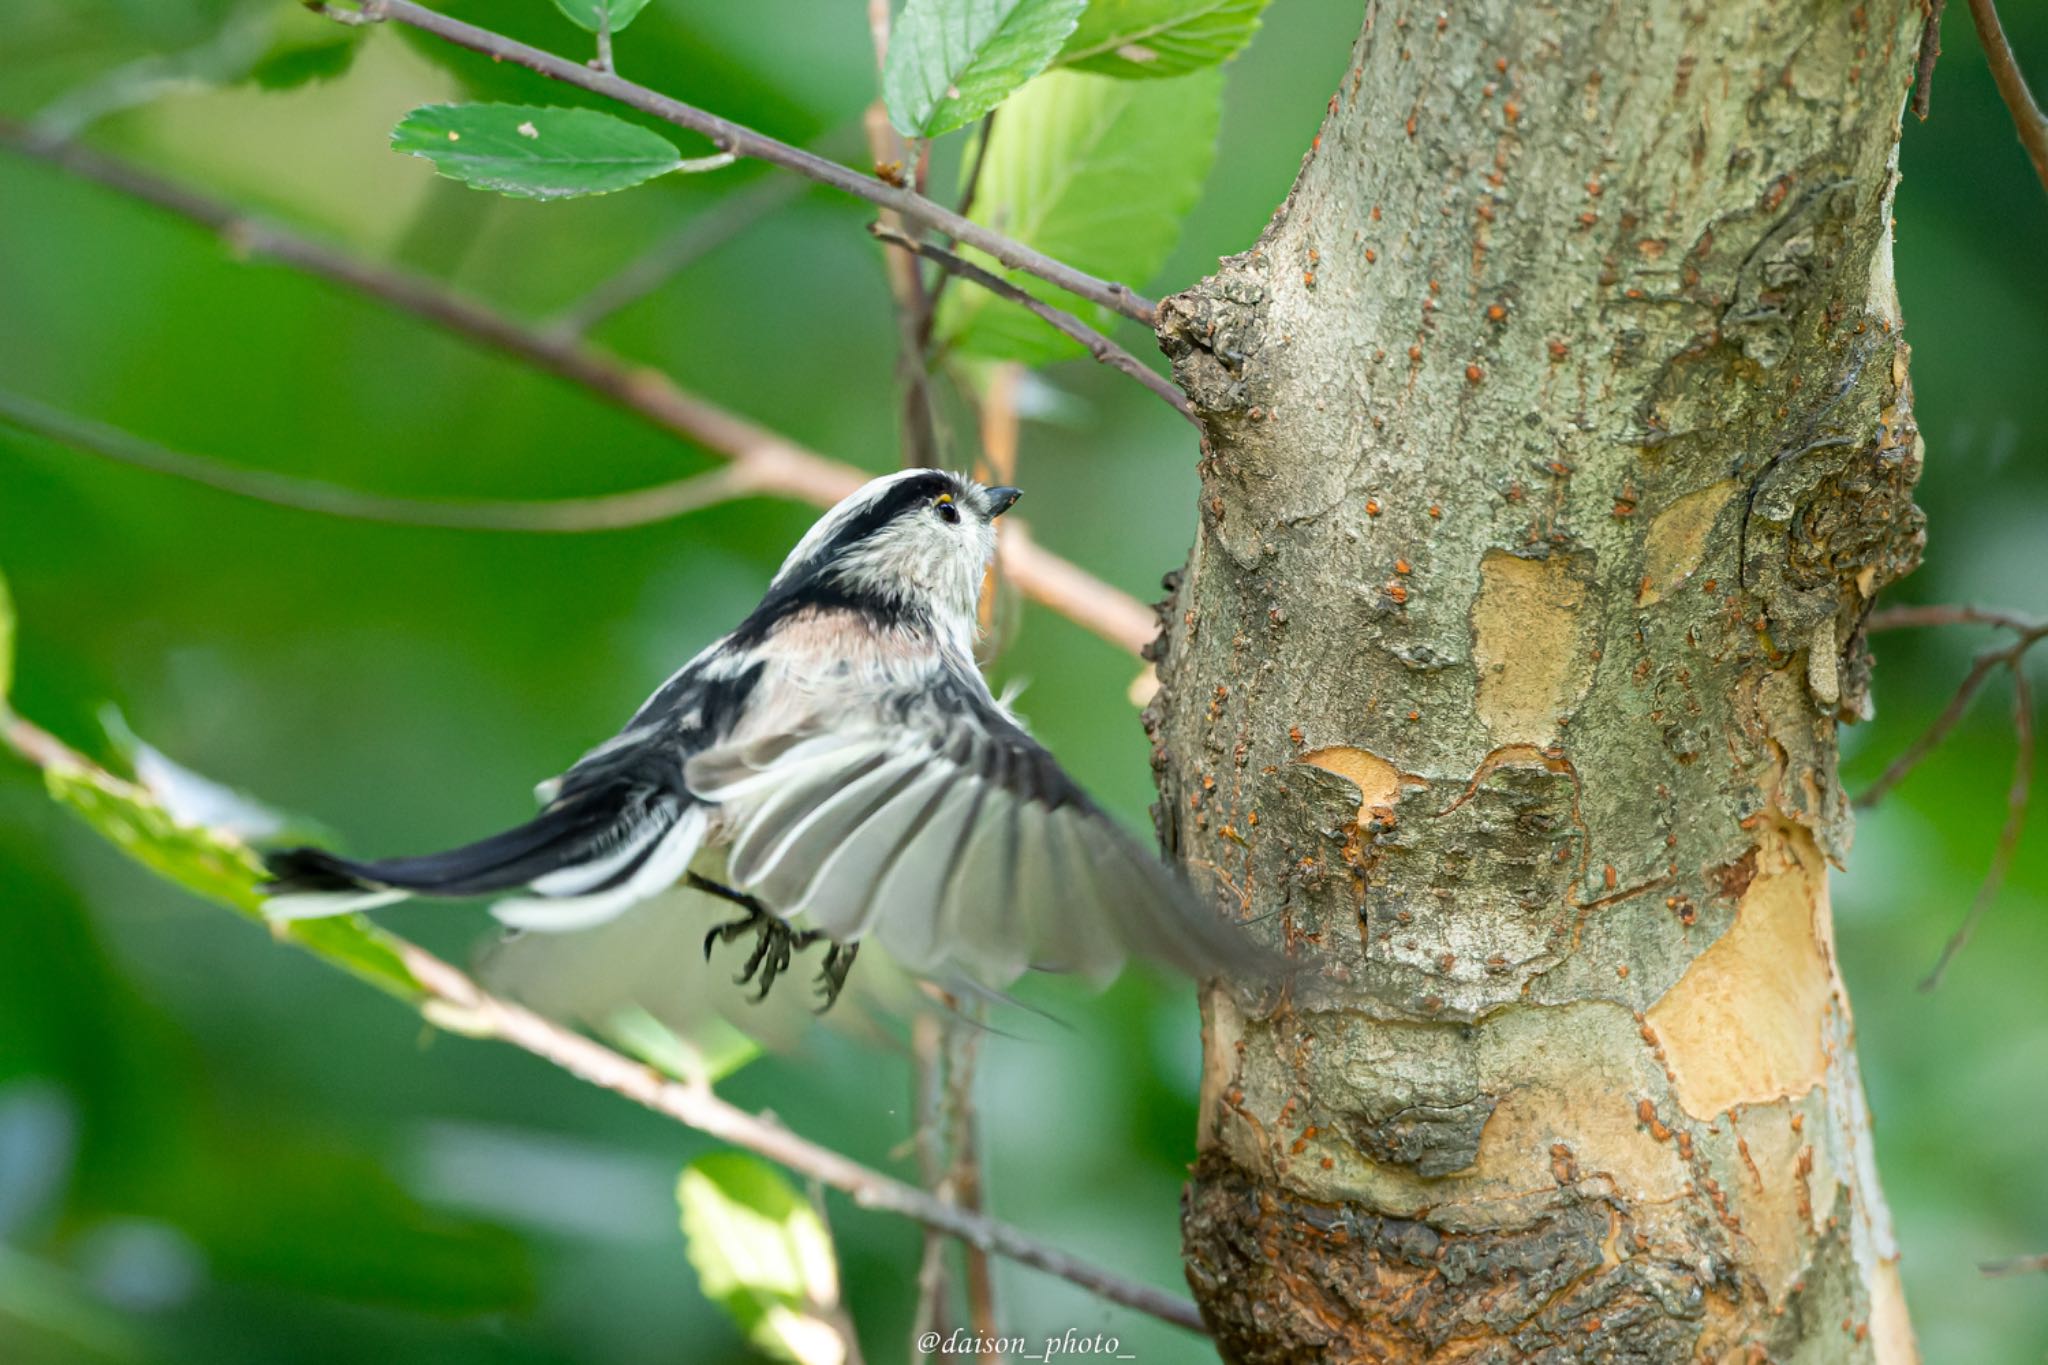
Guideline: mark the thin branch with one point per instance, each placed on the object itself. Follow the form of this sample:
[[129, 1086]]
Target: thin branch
[[1916, 618], [669, 257], [2028, 632], [912, 307], [965, 1181], [2015, 819], [1098, 345], [454, 996], [611, 512], [933, 1316], [777, 466], [966, 204], [2027, 119], [744, 141], [1930, 738], [2019, 1265], [1930, 53]]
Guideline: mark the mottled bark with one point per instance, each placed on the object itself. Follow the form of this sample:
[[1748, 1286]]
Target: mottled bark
[[1557, 439]]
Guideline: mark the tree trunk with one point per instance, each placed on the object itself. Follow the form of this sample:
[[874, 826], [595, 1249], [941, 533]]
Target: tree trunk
[[1557, 439]]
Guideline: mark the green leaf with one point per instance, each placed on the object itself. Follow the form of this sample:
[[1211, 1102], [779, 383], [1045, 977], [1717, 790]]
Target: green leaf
[[6, 644], [289, 65], [590, 14], [1140, 38], [951, 61], [1094, 172], [763, 1254], [709, 1051], [216, 867], [533, 153]]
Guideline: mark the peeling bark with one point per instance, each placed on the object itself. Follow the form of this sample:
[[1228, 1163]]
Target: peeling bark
[[1557, 439]]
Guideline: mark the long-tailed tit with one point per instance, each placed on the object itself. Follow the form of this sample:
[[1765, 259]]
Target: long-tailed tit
[[844, 753]]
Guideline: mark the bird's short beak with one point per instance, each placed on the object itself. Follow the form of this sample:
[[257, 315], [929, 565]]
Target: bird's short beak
[[999, 500]]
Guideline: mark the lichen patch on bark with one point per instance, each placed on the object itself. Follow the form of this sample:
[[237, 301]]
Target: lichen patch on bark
[[1744, 1025]]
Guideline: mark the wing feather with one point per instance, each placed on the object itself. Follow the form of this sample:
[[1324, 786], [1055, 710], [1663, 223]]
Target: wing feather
[[959, 842]]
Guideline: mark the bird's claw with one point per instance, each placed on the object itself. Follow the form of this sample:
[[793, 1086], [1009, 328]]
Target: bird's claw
[[832, 975], [774, 943]]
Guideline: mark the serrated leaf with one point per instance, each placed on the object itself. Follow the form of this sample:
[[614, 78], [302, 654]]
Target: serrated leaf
[[763, 1254], [589, 14], [529, 152], [951, 61], [216, 867], [1092, 171], [1150, 38]]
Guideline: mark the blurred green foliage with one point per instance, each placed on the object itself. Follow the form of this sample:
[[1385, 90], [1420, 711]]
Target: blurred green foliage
[[212, 1150]]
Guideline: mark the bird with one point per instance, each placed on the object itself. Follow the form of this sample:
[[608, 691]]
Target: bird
[[837, 767]]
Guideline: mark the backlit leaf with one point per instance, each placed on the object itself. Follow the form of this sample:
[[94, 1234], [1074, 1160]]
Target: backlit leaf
[[951, 61], [763, 1254], [1094, 172], [1141, 38]]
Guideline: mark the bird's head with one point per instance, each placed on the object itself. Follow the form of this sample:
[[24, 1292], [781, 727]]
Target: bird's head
[[920, 538]]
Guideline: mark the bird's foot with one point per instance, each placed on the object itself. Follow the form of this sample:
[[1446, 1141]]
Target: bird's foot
[[832, 975], [774, 942]]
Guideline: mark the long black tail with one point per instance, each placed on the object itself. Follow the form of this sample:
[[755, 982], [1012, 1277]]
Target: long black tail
[[590, 855], [552, 840]]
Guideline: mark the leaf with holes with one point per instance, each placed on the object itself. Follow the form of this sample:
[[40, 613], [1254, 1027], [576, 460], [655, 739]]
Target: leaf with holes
[[529, 152], [1149, 38], [589, 14], [763, 1254], [951, 61], [1094, 172]]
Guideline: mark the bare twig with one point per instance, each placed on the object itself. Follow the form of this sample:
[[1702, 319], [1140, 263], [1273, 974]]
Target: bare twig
[[913, 303], [1098, 345], [1916, 618], [2026, 633], [1930, 738], [928, 1136], [965, 1181], [2018, 1265], [966, 204], [453, 995], [777, 466], [2027, 119], [2015, 819], [665, 259], [611, 512], [744, 141], [1930, 53]]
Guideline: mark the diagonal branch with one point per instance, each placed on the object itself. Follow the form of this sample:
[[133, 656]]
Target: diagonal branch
[[1098, 345], [2027, 119], [777, 466], [743, 141], [2015, 819], [452, 998], [613, 512], [669, 257]]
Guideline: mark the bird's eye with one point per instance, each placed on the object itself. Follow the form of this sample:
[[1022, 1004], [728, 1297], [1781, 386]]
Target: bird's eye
[[948, 513]]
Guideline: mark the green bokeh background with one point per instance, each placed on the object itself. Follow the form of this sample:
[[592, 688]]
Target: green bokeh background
[[215, 1150]]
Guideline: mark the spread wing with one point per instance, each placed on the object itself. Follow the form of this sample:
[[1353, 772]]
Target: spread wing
[[959, 844]]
